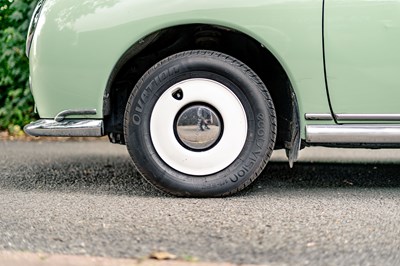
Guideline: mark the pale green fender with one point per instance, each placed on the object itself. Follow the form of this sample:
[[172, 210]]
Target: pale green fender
[[78, 42]]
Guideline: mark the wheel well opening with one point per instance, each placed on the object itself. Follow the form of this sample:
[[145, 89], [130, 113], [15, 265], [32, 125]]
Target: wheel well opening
[[164, 43]]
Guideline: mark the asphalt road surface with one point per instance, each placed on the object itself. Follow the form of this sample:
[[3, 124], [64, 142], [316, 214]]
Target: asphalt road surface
[[336, 207]]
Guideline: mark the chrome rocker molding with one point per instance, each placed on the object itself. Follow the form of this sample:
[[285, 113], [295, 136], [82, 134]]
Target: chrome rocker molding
[[353, 134], [61, 127], [368, 117], [354, 117]]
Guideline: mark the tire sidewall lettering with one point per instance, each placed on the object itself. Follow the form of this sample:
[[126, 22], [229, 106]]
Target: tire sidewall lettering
[[150, 91], [136, 119], [256, 153]]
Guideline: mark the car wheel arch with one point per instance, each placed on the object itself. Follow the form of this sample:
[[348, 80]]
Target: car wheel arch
[[165, 42]]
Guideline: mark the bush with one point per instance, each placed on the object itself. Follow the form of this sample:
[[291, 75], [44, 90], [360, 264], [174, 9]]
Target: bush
[[16, 102]]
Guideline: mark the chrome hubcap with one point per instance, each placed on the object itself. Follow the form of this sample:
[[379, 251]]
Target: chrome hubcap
[[198, 127]]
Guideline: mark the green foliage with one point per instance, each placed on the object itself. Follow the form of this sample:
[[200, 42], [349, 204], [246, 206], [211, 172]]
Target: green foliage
[[16, 102]]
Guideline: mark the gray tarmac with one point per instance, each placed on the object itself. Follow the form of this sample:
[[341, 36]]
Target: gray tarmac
[[335, 207]]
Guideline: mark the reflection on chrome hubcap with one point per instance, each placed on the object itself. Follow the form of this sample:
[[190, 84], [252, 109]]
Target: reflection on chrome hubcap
[[198, 127]]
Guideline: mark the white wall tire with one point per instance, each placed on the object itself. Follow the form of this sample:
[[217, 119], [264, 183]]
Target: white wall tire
[[205, 78]]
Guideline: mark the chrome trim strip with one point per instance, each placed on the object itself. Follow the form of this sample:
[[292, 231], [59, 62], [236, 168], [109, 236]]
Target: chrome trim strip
[[353, 134], [66, 128], [368, 117], [326, 117], [354, 117], [64, 114]]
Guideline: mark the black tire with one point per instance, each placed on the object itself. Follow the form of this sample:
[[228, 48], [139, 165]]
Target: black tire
[[210, 66]]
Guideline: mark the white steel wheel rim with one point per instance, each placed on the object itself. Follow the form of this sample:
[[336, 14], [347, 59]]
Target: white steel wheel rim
[[198, 163]]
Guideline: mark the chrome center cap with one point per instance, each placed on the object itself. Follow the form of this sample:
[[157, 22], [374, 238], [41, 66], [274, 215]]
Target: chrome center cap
[[198, 127]]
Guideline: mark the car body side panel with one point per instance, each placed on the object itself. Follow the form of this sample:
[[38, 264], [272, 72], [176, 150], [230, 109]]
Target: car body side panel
[[78, 42], [362, 41]]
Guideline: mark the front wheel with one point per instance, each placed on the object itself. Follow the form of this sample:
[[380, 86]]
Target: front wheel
[[200, 123]]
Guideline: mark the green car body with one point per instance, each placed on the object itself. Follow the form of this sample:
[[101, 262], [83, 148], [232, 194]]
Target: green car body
[[73, 56], [337, 60]]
